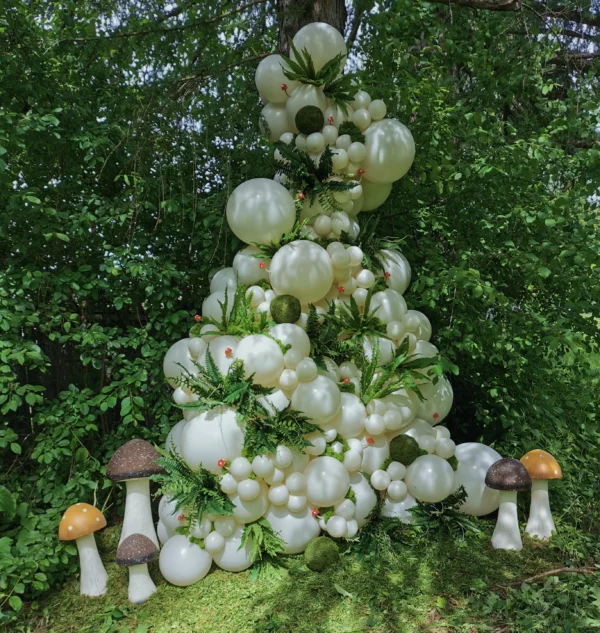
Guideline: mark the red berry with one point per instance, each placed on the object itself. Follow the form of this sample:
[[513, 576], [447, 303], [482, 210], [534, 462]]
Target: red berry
[[261, 265], [181, 517], [301, 196], [316, 512], [346, 380], [228, 351], [284, 86], [387, 275], [370, 440], [197, 318], [360, 172], [330, 120], [221, 463], [436, 416], [341, 289]]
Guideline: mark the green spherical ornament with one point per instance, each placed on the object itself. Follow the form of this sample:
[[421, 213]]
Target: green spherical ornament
[[321, 553], [309, 119], [285, 309], [404, 449]]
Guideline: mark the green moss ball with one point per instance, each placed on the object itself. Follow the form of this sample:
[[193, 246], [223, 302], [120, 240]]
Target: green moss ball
[[309, 119], [404, 449], [321, 553], [285, 309]]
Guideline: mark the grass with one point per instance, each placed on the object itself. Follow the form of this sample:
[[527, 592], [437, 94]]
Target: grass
[[427, 585]]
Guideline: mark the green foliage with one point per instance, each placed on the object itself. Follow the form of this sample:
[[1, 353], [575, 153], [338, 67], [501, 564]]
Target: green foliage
[[309, 119], [352, 130], [372, 243], [198, 492], [264, 433], [321, 553], [285, 309], [265, 544], [404, 449]]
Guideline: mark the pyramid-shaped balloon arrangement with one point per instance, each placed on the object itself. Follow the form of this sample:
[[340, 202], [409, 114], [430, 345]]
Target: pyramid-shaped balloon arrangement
[[312, 398]]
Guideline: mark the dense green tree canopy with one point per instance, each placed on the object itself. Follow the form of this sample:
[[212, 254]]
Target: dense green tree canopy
[[123, 127]]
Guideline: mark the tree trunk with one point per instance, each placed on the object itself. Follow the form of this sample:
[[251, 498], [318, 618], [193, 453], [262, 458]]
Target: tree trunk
[[294, 14]]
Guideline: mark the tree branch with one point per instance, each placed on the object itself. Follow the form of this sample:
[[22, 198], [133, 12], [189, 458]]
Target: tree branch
[[354, 28], [561, 32], [179, 27], [558, 11], [487, 5], [552, 572]]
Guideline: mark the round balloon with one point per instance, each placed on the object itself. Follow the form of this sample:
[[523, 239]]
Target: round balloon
[[365, 497], [322, 41], [291, 334], [262, 358], [260, 211], [173, 441], [474, 459], [234, 557], [274, 121], [399, 509], [248, 268], [351, 417], [296, 529], [304, 95], [222, 349], [327, 481], [245, 511], [224, 278], [396, 268], [390, 151], [376, 451], [183, 563], [374, 195], [178, 362], [213, 305], [438, 401], [388, 305], [430, 478], [269, 78], [319, 399], [302, 269]]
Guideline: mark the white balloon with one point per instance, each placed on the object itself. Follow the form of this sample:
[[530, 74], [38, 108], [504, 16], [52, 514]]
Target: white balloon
[[399, 509], [441, 432], [390, 151], [351, 528], [317, 445], [417, 428], [306, 370], [248, 489], [302, 269], [225, 526], [183, 563], [380, 480], [178, 362], [320, 399], [397, 270], [299, 462], [240, 468], [195, 346], [327, 481], [377, 109], [343, 143], [396, 471], [346, 509], [336, 526], [245, 511], [233, 557], [388, 305], [361, 118], [213, 305], [430, 478], [279, 495], [352, 461], [260, 211], [375, 453], [291, 334], [365, 496], [335, 115], [248, 268], [322, 41], [283, 456], [273, 402], [163, 532], [168, 513], [474, 459], [302, 96], [173, 441], [426, 443], [387, 349], [374, 194], [296, 483], [224, 278], [269, 79], [438, 401], [263, 465], [229, 484], [445, 448], [274, 121], [315, 142], [375, 424], [262, 358], [397, 490], [330, 134], [214, 542], [275, 478], [296, 529], [296, 503]]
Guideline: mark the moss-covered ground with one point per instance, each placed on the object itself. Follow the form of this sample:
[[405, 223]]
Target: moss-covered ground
[[430, 585]]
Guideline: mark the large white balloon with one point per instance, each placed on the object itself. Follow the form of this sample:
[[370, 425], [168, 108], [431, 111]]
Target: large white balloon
[[262, 357], [350, 419], [249, 511], [183, 563], [388, 305], [390, 151], [319, 399], [474, 459], [233, 557], [173, 441], [366, 499], [178, 362], [327, 481], [248, 268], [269, 78], [397, 270], [430, 478], [374, 194], [304, 95], [222, 349], [296, 529], [211, 436], [260, 211], [291, 334], [213, 305], [274, 121], [224, 278], [438, 401], [302, 269], [399, 509], [322, 41]]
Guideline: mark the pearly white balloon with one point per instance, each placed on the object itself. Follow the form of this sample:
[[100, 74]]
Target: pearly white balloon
[[296, 529], [269, 79], [390, 151], [430, 479], [327, 481], [183, 563], [474, 459], [322, 41]]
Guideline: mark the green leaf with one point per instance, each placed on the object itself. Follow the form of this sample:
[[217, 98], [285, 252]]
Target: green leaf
[[544, 272], [16, 604], [8, 505]]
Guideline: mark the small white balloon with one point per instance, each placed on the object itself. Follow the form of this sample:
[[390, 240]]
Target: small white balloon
[[330, 134], [297, 503], [225, 526], [202, 530], [317, 445], [315, 142], [343, 143], [430, 479], [445, 448], [234, 557], [352, 461], [396, 471], [248, 489], [345, 509], [319, 399], [229, 484], [377, 109], [336, 526], [380, 480], [365, 278], [269, 78], [214, 542], [263, 465], [357, 152], [279, 495], [351, 528], [275, 478], [296, 529], [375, 424], [362, 119], [283, 456], [327, 481], [426, 443], [390, 150], [288, 380], [296, 483], [306, 370], [397, 490], [183, 563]]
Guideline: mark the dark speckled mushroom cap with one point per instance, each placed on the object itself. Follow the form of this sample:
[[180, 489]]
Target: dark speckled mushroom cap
[[134, 460], [136, 549], [508, 474]]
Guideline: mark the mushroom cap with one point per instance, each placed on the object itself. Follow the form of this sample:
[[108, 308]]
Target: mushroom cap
[[80, 520], [134, 460], [136, 549], [508, 474], [541, 465]]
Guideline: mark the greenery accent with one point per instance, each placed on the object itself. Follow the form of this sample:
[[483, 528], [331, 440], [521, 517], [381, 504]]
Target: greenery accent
[[404, 449], [264, 433], [285, 309], [321, 553], [353, 131], [266, 545], [372, 243], [195, 491], [309, 119], [453, 462]]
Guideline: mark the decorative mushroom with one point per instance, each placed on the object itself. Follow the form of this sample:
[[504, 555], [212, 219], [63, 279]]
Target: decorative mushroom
[[541, 467], [508, 476], [78, 524], [134, 463], [135, 552]]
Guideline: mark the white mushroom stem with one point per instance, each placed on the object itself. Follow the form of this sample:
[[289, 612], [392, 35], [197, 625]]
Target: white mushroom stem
[[141, 586], [93, 575], [138, 512], [540, 521], [506, 534]]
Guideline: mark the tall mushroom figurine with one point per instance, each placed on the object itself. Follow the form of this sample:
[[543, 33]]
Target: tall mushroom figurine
[[135, 552], [134, 463], [78, 524], [508, 476], [541, 467]]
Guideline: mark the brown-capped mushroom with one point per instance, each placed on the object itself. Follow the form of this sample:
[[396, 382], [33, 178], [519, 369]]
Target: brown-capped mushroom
[[135, 552], [78, 524], [134, 463]]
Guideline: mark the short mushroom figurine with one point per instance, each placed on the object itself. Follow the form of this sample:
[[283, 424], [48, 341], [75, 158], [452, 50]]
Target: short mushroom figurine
[[135, 552], [508, 476], [134, 463], [78, 524], [541, 467]]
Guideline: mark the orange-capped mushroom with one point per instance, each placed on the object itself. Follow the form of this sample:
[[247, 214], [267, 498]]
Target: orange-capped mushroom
[[541, 465], [80, 520]]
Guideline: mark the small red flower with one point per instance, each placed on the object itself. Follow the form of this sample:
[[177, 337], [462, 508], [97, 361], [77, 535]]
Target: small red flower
[[181, 517], [370, 440], [228, 351], [197, 318], [301, 196], [360, 172], [436, 415], [316, 512], [262, 265], [387, 275], [221, 463], [330, 120], [346, 380], [341, 289], [284, 86]]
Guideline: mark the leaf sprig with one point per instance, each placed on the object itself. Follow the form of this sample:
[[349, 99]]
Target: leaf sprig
[[265, 544]]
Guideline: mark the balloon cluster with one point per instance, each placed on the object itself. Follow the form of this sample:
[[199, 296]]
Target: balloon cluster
[[389, 447]]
